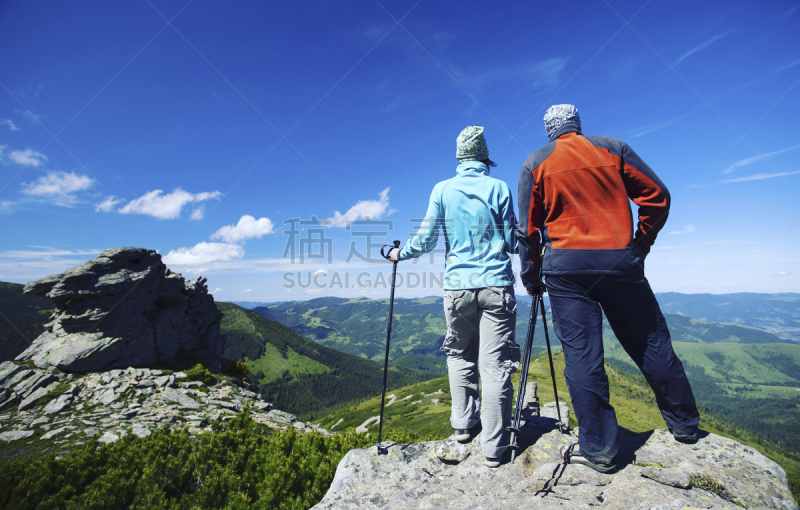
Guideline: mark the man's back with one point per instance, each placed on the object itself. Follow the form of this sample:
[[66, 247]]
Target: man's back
[[576, 190]]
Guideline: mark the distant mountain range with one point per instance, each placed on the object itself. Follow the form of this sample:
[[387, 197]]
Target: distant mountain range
[[357, 326], [774, 313]]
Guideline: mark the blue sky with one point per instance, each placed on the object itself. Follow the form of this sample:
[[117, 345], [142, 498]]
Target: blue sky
[[198, 128]]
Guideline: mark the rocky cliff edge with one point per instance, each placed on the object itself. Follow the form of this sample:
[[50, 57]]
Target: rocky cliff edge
[[656, 472]]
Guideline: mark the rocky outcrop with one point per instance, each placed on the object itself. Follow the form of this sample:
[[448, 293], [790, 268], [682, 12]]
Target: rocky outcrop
[[109, 405], [656, 472], [124, 308]]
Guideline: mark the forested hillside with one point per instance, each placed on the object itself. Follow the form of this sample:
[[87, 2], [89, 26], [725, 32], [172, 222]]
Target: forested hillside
[[297, 375], [358, 326], [22, 319]]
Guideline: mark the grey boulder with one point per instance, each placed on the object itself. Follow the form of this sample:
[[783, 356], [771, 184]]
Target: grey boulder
[[124, 308]]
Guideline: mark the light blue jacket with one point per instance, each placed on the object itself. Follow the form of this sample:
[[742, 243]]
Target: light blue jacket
[[476, 213]]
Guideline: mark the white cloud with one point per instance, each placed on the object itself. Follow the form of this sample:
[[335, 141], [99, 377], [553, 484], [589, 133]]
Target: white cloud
[[320, 272], [759, 177], [247, 228], [58, 186], [700, 47], [747, 161], [28, 157], [688, 229], [36, 262], [373, 209], [198, 213], [165, 207], [245, 291], [781, 273], [545, 74], [216, 290], [203, 254], [9, 123], [107, 204]]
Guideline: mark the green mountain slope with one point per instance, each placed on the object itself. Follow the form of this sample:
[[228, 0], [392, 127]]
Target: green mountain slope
[[297, 375], [22, 320], [754, 385], [358, 326]]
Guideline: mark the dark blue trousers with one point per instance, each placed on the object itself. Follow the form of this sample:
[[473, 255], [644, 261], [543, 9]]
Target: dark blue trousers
[[634, 315]]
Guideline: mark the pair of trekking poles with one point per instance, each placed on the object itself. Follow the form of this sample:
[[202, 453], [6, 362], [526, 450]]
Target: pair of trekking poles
[[538, 300]]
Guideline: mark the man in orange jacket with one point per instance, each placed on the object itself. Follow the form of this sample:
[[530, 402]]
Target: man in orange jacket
[[575, 193]]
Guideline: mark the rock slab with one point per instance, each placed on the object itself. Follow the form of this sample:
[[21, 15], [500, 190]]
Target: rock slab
[[124, 308], [414, 476]]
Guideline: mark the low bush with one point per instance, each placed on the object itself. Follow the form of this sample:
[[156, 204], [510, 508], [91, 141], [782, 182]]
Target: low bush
[[241, 464], [200, 373]]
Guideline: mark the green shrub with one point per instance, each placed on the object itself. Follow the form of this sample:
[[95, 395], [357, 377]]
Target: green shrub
[[235, 367], [242, 464], [200, 373]]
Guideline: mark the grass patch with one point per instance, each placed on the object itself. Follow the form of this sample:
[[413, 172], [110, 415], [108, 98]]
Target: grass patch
[[707, 483], [649, 464]]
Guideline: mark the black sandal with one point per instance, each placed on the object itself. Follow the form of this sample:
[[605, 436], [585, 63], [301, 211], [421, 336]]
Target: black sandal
[[573, 457]]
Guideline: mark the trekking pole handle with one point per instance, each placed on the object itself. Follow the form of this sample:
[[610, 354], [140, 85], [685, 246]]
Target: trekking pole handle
[[387, 255]]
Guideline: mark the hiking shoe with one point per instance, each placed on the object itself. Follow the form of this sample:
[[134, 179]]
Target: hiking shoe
[[492, 462], [463, 435], [571, 456], [685, 438]]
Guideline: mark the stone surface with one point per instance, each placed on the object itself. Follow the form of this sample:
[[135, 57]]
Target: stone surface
[[108, 437], [452, 451], [671, 477], [14, 435], [414, 476], [79, 412], [30, 401], [12, 381], [171, 395], [140, 431], [7, 397], [124, 308], [7, 369]]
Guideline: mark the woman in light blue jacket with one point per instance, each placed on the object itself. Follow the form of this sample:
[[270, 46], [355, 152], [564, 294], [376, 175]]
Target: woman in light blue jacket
[[476, 214]]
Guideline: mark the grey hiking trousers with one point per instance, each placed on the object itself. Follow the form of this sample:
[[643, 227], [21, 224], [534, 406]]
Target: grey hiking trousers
[[480, 333]]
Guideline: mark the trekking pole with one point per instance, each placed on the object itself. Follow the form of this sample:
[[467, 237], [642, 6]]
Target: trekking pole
[[387, 256], [523, 378], [563, 427]]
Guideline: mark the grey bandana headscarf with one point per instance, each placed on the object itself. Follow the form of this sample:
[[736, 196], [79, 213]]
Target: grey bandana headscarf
[[558, 115]]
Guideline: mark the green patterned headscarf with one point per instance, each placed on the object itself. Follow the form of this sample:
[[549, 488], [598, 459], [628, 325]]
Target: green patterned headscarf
[[471, 145]]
